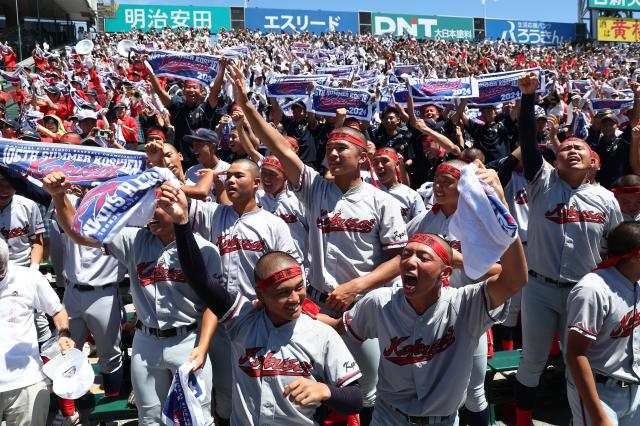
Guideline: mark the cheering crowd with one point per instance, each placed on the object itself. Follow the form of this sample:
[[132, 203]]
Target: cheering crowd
[[318, 267]]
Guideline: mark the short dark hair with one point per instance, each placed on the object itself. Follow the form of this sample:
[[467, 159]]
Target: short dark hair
[[624, 238], [627, 180], [273, 262]]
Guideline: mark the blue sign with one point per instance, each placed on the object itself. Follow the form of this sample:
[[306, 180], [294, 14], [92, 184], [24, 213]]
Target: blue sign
[[313, 21], [531, 32]]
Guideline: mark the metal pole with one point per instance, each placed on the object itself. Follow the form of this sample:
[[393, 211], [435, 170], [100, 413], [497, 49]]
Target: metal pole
[[19, 31], [484, 8]]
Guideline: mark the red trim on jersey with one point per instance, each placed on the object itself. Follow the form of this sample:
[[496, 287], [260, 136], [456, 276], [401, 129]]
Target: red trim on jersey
[[589, 332], [346, 378], [232, 313], [347, 322]]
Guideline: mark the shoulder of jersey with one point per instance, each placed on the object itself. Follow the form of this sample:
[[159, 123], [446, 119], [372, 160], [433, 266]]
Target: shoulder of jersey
[[23, 200]]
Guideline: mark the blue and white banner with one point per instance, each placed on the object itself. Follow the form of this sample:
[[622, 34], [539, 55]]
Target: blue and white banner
[[445, 88], [289, 86], [366, 83], [411, 69], [11, 77], [612, 104], [502, 87], [182, 406], [343, 72], [531, 32], [581, 86], [119, 202], [202, 68], [326, 100], [82, 165], [235, 51]]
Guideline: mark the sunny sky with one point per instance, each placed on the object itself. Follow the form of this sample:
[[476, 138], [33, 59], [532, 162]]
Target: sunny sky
[[544, 10]]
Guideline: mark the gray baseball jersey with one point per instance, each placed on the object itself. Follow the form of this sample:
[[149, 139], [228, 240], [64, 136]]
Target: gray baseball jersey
[[20, 222], [241, 240], [193, 178], [411, 204], [267, 358], [349, 232], [567, 227], [602, 307], [160, 293], [287, 207], [627, 217], [426, 359], [515, 193]]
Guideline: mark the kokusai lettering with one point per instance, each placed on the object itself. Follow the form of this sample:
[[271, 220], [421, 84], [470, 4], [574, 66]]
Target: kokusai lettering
[[229, 245], [400, 353], [7, 234], [160, 272], [272, 364], [630, 321], [337, 223], [563, 214]]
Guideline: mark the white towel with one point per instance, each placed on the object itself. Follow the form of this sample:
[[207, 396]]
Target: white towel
[[481, 223]]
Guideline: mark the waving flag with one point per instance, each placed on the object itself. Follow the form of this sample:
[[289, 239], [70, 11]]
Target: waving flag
[[326, 100], [202, 68], [445, 88], [289, 86], [112, 205]]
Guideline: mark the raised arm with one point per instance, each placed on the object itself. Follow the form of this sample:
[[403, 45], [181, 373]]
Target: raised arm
[[56, 184], [214, 90], [164, 97], [268, 135], [25, 188], [174, 202], [531, 155]]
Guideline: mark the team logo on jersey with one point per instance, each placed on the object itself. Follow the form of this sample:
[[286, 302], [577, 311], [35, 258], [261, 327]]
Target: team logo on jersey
[[288, 218], [148, 273], [521, 197], [404, 211], [563, 214], [337, 223], [229, 245], [628, 322], [255, 365], [14, 232], [412, 353]]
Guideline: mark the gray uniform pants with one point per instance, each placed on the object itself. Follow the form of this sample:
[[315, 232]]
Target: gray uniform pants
[[27, 406]]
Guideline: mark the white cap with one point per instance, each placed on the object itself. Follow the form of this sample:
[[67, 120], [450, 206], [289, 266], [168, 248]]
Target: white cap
[[84, 113], [71, 374]]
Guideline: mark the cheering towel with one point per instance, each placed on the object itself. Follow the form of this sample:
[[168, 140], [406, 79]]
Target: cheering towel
[[120, 202], [481, 223], [182, 406]]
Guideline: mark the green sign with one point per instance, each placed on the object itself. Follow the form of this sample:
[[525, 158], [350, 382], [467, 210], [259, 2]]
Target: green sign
[[421, 27], [146, 17], [615, 4]]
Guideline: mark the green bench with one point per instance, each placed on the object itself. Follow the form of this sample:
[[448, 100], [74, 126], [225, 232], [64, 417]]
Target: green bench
[[502, 361], [109, 408]]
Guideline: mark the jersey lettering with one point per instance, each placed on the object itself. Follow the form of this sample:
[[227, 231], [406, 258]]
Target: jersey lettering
[[337, 223], [14, 232], [288, 218], [271, 365], [561, 214], [413, 353], [157, 273], [404, 211], [229, 245], [626, 326], [521, 197]]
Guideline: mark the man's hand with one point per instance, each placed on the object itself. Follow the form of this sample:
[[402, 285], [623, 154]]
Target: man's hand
[[341, 112], [56, 183], [635, 133], [490, 176], [528, 83], [155, 153], [554, 124], [304, 391], [342, 296], [65, 344], [173, 201], [198, 356], [238, 84]]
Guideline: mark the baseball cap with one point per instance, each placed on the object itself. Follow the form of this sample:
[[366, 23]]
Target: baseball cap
[[299, 103], [11, 122], [29, 135], [71, 374], [84, 114], [53, 89], [120, 105], [203, 135], [91, 92], [607, 114]]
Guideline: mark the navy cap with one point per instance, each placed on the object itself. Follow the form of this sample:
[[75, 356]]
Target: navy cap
[[204, 135]]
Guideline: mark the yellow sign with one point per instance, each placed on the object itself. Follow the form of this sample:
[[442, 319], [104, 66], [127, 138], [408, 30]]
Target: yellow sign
[[618, 29]]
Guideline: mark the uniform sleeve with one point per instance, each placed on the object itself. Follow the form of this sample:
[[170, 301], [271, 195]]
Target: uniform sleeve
[[418, 206], [359, 321], [35, 218], [233, 319], [340, 369], [121, 247], [587, 309], [540, 182], [283, 241], [47, 300], [476, 305], [308, 186], [201, 216], [413, 226], [392, 231]]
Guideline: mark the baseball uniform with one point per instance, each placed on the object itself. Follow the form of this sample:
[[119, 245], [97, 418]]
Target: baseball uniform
[[435, 222], [267, 358], [192, 178], [603, 308], [411, 204], [567, 230], [163, 302], [351, 233], [426, 359], [241, 241], [20, 222]]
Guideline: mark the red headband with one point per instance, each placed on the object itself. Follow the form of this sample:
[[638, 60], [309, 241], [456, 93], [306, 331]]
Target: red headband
[[437, 248], [347, 137], [626, 190], [272, 162], [614, 260], [449, 169], [157, 132], [387, 152], [279, 276], [293, 142]]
